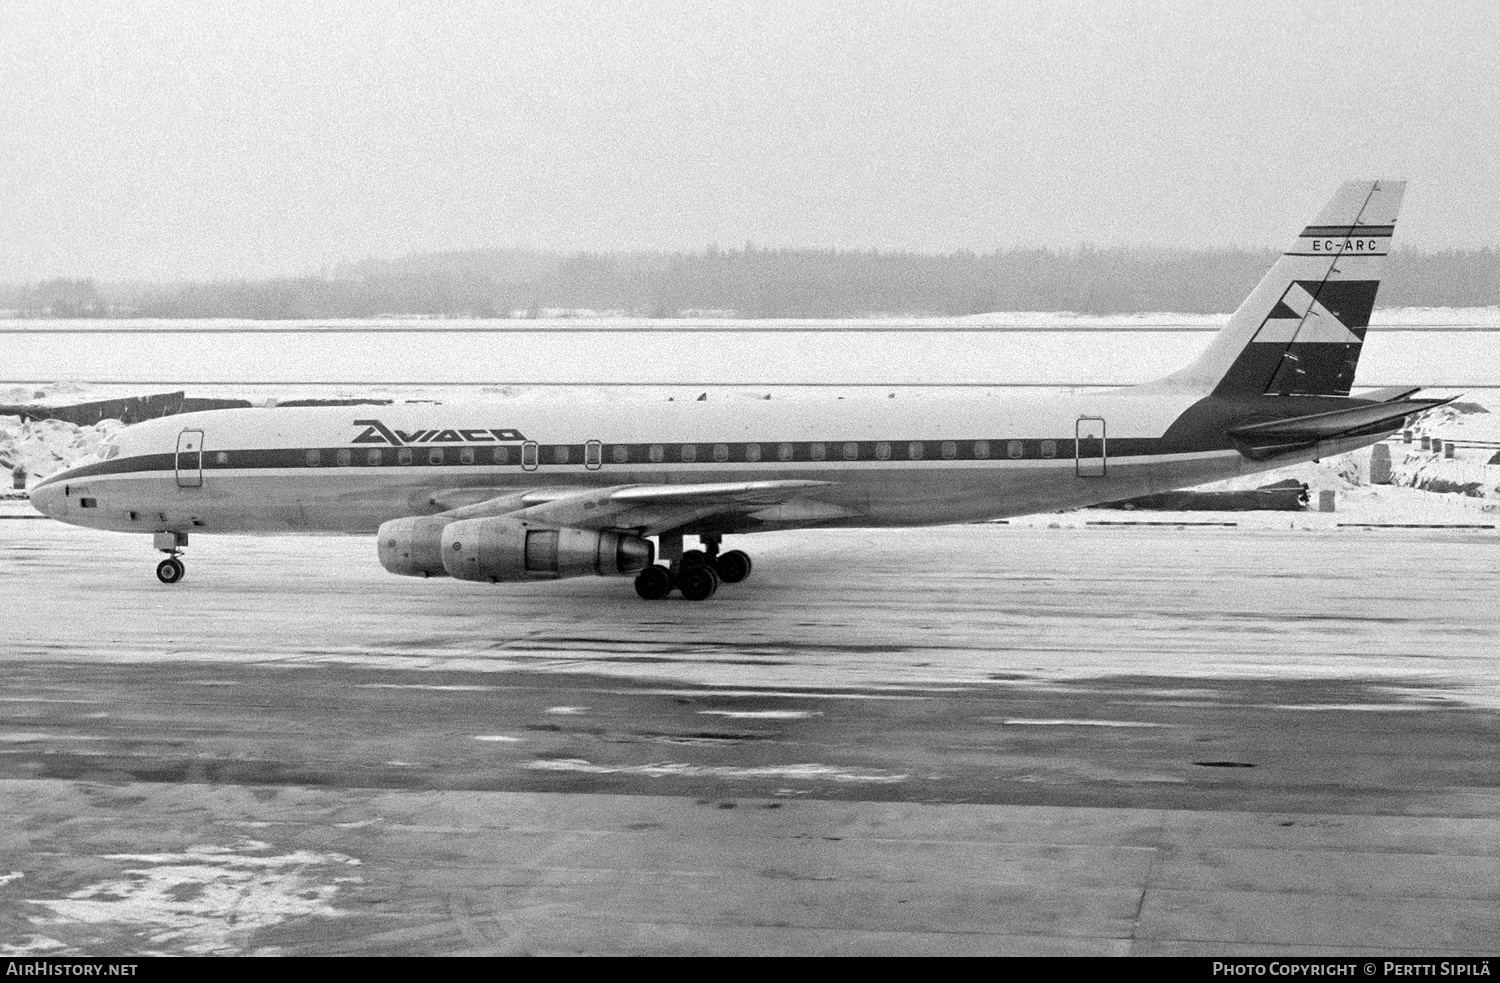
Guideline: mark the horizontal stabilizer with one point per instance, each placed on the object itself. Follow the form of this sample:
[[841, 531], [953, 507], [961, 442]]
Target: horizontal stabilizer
[[1301, 431]]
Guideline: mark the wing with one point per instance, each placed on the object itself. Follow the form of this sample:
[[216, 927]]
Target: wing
[[649, 510], [652, 509]]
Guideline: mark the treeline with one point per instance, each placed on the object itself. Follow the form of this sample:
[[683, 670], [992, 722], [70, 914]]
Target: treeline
[[754, 283]]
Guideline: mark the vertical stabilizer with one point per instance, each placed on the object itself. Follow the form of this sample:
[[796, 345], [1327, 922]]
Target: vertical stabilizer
[[1300, 331]]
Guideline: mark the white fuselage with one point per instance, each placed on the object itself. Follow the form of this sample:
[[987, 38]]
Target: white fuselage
[[887, 462]]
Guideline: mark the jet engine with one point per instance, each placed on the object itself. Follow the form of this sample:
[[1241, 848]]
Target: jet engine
[[413, 547], [504, 548]]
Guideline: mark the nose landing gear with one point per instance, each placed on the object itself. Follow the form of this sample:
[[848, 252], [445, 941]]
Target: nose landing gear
[[170, 570]]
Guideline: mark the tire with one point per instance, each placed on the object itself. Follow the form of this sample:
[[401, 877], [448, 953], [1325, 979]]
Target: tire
[[170, 570], [697, 583], [653, 583], [733, 567]]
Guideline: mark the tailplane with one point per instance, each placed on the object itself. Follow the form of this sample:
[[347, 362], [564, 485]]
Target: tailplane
[[1300, 331]]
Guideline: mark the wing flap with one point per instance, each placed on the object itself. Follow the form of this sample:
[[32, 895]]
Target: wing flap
[[478, 503], [656, 508], [743, 492]]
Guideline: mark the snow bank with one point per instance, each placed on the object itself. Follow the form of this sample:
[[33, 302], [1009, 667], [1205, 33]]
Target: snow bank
[[45, 446]]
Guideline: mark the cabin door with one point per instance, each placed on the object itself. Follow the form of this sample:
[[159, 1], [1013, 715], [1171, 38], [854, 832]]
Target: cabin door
[[1090, 444], [190, 459]]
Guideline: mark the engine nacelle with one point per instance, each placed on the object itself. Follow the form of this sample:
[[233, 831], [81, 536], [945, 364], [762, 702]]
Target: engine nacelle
[[502, 548], [413, 547]]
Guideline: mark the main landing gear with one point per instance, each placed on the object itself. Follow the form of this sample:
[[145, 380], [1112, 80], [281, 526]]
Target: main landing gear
[[170, 570], [696, 574]]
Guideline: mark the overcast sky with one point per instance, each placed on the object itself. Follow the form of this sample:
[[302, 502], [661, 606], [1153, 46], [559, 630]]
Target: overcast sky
[[200, 139]]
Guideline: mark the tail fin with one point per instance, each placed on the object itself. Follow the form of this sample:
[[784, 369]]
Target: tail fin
[[1300, 331]]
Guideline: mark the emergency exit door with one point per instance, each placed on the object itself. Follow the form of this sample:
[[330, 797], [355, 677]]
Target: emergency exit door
[[1090, 445], [190, 459]]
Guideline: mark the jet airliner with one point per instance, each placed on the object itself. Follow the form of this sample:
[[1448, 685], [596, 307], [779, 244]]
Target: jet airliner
[[504, 493]]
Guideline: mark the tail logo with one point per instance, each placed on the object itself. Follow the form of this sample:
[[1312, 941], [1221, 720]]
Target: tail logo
[[1337, 312]]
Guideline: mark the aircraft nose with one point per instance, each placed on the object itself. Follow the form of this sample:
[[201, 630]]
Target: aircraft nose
[[47, 499]]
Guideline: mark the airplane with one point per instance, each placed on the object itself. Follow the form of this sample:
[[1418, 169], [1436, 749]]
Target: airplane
[[507, 493]]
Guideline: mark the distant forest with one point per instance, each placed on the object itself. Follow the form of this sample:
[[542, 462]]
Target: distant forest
[[752, 283]]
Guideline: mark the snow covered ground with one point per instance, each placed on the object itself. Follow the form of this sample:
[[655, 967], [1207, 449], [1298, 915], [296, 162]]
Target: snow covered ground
[[42, 447], [1393, 318], [1435, 347]]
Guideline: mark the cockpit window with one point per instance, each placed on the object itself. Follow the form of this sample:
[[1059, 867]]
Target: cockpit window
[[107, 451]]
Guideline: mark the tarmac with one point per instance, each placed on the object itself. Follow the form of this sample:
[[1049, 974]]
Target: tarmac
[[979, 740]]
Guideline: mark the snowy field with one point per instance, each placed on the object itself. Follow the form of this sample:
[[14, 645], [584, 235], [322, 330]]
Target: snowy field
[[558, 319], [1433, 347]]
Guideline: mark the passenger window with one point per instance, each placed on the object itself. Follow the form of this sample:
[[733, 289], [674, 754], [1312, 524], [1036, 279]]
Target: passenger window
[[914, 450], [222, 457], [721, 452], [373, 457], [752, 452], [883, 451], [345, 457], [1013, 449], [657, 454], [689, 453], [466, 455], [817, 452], [560, 454], [1049, 448], [950, 450], [851, 451], [620, 453], [784, 451], [314, 458], [981, 449], [502, 455], [434, 455], [403, 456]]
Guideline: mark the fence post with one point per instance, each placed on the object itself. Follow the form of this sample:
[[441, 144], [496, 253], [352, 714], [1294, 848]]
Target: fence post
[[1380, 464]]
